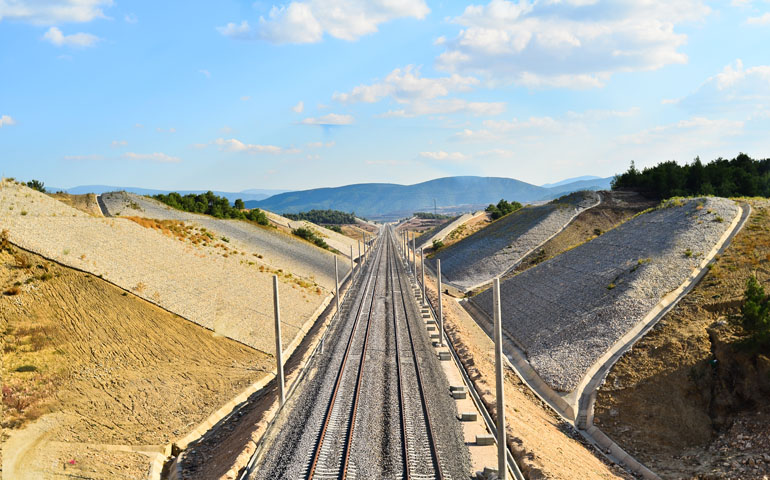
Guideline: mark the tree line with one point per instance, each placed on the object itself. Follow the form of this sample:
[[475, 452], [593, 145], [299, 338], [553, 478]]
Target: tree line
[[211, 204], [502, 208], [741, 176], [324, 217]]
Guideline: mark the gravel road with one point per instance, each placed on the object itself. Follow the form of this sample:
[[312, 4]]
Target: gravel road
[[500, 246], [568, 311], [377, 445]]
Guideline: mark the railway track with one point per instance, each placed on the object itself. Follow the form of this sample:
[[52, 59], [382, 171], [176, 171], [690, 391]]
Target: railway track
[[370, 407]]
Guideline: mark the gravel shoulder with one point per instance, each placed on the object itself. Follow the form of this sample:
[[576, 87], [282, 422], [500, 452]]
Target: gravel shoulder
[[497, 248], [568, 311], [222, 286]]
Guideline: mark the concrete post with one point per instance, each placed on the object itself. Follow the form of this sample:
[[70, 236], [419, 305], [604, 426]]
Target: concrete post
[[278, 346], [352, 265], [422, 262], [440, 305], [414, 259], [336, 286], [501, 446], [359, 255]]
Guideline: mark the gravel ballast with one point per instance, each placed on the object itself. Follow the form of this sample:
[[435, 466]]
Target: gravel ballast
[[494, 250], [220, 290], [568, 311]]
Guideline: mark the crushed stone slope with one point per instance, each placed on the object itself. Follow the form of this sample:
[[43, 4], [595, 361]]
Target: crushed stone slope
[[228, 291], [277, 248], [497, 248], [568, 311], [341, 243]]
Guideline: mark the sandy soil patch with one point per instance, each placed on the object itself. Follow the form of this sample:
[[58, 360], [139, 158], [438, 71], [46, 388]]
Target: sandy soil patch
[[85, 203], [89, 369], [667, 403]]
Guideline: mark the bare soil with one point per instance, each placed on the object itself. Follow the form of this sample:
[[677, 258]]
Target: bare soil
[[687, 400], [544, 445], [85, 203], [467, 229], [88, 366]]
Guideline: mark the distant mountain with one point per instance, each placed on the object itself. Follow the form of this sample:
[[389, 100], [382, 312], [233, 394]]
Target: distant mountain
[[589, 184], [388, 200], [246, 195], [570, 180]]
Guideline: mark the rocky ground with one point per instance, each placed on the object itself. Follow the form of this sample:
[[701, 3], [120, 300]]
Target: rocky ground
[[497, 248], [91, 371], [687, 400], [568, 311]]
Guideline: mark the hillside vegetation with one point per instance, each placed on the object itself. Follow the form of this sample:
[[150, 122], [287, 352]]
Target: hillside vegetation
[[321, 217], [740, 177], [211, 204]]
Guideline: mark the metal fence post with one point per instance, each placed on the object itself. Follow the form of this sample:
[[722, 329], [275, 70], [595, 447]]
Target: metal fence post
[[336, 286], [359, 255], [414, 259], [278, 346], [422, 262], [440, 305], [352, 265], [501, 446]]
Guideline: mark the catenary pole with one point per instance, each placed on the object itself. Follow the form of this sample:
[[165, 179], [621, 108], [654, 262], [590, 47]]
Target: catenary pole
[[422, 262], [278, 346], [440, 309], [501, 446]]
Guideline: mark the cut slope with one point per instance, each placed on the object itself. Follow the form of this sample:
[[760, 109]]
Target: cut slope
[[567, 312], [110, 370], [670, 404], [494, 250], [340, 242], [223, 286], [278, 249]]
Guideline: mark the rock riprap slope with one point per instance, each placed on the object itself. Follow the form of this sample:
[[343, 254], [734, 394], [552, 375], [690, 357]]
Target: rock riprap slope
[[337, 241], [497, 248], [279, 250], [568, 311], [221, 286]]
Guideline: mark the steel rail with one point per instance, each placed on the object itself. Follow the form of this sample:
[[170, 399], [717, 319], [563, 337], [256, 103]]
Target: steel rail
[[426, 411], [340, 373], [402, 410]]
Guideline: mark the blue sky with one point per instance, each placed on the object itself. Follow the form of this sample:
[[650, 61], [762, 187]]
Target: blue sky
[[237, 95]]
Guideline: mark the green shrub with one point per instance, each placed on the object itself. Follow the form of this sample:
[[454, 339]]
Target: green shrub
[[437, 245], [36, 185], [213, 205], [503, 208], [324, 216], [756, 313], [310, 236], [334, 228]]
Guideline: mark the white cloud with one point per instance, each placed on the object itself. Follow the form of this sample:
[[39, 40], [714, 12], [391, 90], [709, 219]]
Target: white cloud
[[761, 20], [407, 85], [6, 120], [206, 73], [299, 107], [138, 125], [119, 143], [83, 158], [444, 156], [575, 44], [47, 12], [698, 131], [242, 31], [166, 130], [320, 144], [234, 145], [56, 37], [307, 21], [130, 18], [156, 157], [330, 119], [245, 98], [735, 88], [447, 107]]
